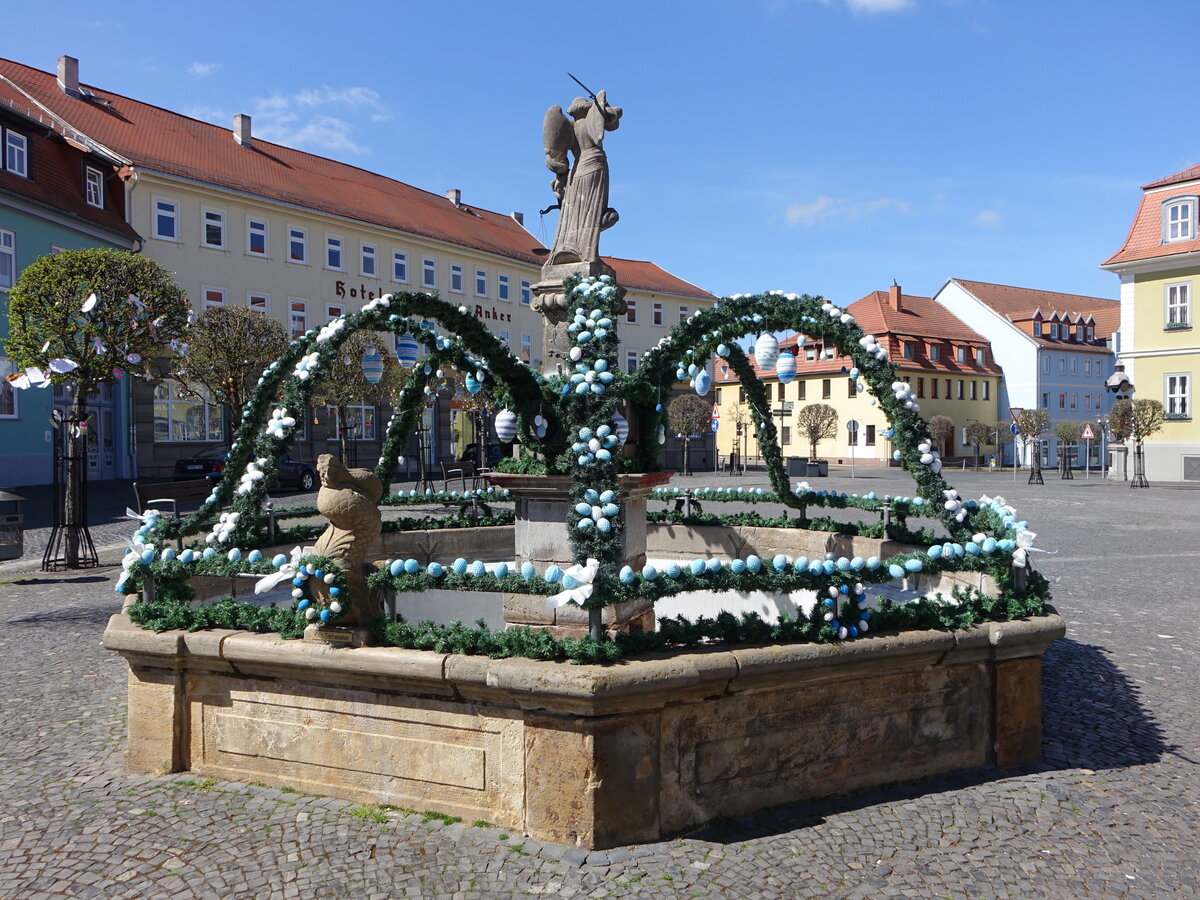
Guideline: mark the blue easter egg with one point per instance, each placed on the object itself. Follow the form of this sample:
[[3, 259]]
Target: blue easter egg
[[603, 525], [972, 548], [914, 565], [298, 581], [435, 570], [397, 567], [649, 572], [753, 564], [935, 551], [477, 569], [278, 560], [843, 564], [989, 545], [584, 524], [501, 570], [713, 565], [1004, 545], [528, 570], [697, 566], [828, 566], [255, 556], [674, 571], [168, 554], [411, 566], [857, 563], [303, 604], [815, 568], [234, 555], [569, 582], [187, 556], [553, 574], [147, 556], [896, 571], [583, 509], [801, 563], [779, 562], [334, 591], [738, 566], [626, 575], [326, 615], [459, 566]]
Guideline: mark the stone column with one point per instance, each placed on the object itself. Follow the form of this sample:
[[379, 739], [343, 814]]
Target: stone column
[[550, 300], [1118, 467]]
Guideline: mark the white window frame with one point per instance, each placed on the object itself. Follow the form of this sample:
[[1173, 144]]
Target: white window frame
[[456, 278], [9, 395], [526, 293], [334, 244], [1037, 327], [264, 304], [935, 351], [429, 272], [980, 356], [165, 209], [1045, 365], [961, 354], [1178, 219], [527, 347], [683, 313], [1062, 365], [656, 318], [258, 226], [334, 311], [357, 411], [8, 253], [502, 292], [297, 237], [207, 294], [297, 307], [481, 283], [367, 255], [16, 149], [1177, 305], [93, 191], [1054, 331], [503, 337], [1177, 395], [219, 218], [399, 267], [631, 361]]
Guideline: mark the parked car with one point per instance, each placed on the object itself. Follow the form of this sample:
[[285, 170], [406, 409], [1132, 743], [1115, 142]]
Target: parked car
[[210, 463], [491, 454]]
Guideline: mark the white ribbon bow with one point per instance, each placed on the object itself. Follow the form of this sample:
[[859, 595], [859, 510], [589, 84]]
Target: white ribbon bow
[[1024, 546], [583, 576], [286, 573]]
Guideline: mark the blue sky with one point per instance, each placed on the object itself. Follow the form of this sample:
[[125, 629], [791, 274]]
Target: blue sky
[[820, 146]]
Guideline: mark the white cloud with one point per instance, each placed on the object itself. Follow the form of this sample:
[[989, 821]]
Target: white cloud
[[203, 69], [826, 210], [320, 119], [986, 218], [871, 7]]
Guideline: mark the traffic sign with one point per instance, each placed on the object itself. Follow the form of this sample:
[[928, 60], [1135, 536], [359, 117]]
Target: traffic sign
[[1013, 430], [852, 426], [1087, 433], [715, 423], [1015, 412], [716, 413]]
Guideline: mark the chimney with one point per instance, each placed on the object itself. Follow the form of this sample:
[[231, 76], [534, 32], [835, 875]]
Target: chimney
[[454, 195], [241, 129], [519, 218], [68, 75], [895, 298]]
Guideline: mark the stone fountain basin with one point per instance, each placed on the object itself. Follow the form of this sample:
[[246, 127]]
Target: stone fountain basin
[[590, 756]]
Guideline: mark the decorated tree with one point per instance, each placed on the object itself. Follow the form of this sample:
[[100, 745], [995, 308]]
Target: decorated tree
[[1068, 435], [1146, 419], [347, 385], [228, 348], [817, 421], [941, 429], [688, 416], [79, 319], [1031, 425], [979, 434]]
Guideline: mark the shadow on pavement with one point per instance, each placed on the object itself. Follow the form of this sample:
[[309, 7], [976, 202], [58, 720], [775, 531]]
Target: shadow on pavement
[[97, 615], [79, 579], [1092, 718]]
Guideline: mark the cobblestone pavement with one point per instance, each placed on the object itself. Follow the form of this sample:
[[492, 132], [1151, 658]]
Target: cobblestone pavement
[[1112, 813]]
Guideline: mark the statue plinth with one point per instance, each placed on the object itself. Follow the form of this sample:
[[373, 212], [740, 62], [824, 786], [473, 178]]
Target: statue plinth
[[550, 300]]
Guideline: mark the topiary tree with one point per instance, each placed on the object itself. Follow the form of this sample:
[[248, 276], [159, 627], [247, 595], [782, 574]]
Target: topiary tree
[[228, 348], [1068, 435], [1146, 419], [1120, 420], [81, 317], [1031, 425], [817, 421], [941, 429], [347, 386], [688, 415], [979, 434]]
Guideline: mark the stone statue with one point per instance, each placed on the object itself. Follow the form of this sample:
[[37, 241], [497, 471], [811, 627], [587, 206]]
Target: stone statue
[[348, 499], [581, 187]]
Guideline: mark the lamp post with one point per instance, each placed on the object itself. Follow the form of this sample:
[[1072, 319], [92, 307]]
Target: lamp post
[[1102, 421]]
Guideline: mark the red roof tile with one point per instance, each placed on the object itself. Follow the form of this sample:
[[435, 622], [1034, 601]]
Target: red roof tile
[[165, 141], [1019, 304], [1144, 240], [637, 274]]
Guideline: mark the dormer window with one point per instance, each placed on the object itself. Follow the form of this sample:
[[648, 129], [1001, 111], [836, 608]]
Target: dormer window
[[1054, 331], [94, 188], [935, 351], [1179, 219], [1037, 327], [16, 153]]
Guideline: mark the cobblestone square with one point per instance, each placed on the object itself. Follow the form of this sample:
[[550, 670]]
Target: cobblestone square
[[1111, 813]]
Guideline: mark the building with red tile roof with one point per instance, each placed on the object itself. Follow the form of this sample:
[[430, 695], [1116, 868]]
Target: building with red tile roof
[[1158, 266]]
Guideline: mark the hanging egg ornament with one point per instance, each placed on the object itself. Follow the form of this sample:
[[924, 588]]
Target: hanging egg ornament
[[785, 368], [506, 425], [622, 428], [472, 384], [372, 365], [766, 351], [702, 382], [407, 349]]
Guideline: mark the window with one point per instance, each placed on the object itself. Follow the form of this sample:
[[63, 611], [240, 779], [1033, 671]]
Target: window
[[1037, 327], [166, 220], [1179, 219], [933, 384], [1074, 399], [256, 237], [94, 188], [1074, 366], [212, 296], [526, 347], [367, 260], [298, 246], [9, 407], [787, 434], [258, 302], [1054, 330], [504, 338], [810, 354], [213, 229], [980, 356], [631, 312], [1091, 332], [1062, 401], [1087, 367], [826, 389], [683, 314], [180, 419], [8, 258], [960, 389], [298, 311], [869, 436], [1087, 401], [935, 351], [974, 389], [1062, 365], [456, 279], [502, 288], [802, 387], [333, 253], [987, 390], [1176, 394], [360, 422], [910, 349], [526, 293], [921, 387], [481, 283], [851, 388], [334, 311], [827, 353], [1045, 365], [400, 267], [718, 396], [1045, 400], [947, 388], [16, 154], [631, 360], [429, 272], [657, 315], [961, 355], [1179, 307]]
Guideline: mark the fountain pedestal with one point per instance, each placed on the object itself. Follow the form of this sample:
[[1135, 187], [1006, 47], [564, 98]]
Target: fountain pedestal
[[542, 538]]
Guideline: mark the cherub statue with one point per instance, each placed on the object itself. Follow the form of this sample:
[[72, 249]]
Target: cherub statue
[[348, 499]]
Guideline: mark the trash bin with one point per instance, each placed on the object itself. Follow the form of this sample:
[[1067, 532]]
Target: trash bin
[[817, 468], [797, 465], [12, 531]]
